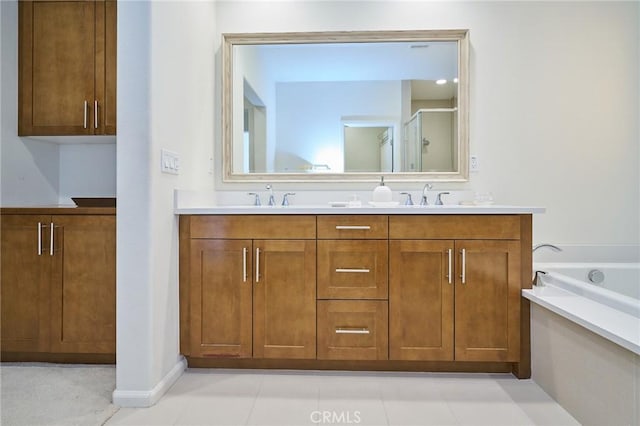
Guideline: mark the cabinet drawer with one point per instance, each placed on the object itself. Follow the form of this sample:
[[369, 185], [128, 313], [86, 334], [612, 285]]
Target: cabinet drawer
[[253, 227], [349, 329], [353, 269], [353, 227], [491, 227]]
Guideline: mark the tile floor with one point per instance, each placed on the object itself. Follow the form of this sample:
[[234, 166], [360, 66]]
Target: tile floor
[[232, 397]]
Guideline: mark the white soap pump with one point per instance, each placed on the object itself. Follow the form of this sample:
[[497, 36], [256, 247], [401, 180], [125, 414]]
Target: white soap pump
[[381, 193]]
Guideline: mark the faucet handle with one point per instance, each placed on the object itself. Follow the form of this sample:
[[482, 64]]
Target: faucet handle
[[408, 201], [256, 200], [439, 199], [285, 199]]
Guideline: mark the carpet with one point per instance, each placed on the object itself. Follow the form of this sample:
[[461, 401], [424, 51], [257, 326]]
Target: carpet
[[55, 394]]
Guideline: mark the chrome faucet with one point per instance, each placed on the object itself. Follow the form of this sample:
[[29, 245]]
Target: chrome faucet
[[256, 200], [408, 201], [424, 201], [285, 199], [439, 199], [272, 200], [551, 246]]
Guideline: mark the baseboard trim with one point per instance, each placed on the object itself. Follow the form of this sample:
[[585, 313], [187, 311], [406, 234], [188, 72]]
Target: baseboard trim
[[139, 398]]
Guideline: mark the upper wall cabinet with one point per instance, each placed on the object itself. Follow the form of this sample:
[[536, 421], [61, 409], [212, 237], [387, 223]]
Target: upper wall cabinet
[[67, 68]]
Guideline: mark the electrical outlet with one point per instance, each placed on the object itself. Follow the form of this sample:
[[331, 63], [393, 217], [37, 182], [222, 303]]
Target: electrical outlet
[[169, 162], [474, 164]]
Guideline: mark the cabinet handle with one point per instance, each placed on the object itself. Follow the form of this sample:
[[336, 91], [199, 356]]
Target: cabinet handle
[[362, 270], [257, 264], [244, 264], [39, 238], [51, 242], [360, 227], [352, 330], [464, 266], [450, 265], [84, 122], [95, 114]]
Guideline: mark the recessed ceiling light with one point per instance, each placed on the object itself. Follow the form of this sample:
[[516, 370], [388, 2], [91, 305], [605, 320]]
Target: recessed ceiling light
[[441, 81]]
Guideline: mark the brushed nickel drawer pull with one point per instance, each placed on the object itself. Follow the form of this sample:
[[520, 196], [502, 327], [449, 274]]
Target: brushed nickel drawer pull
[[354, 227], [362, 270], [464, 266], [257, 264], [244, 264], [51, 246], [84, 122], [39, 238], [95, 114], [352, 331], [450, 265]]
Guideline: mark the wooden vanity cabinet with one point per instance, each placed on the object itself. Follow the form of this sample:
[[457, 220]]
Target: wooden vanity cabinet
[[394, 292], [58, 284], [252, 287], [459, 286], [67, 68]]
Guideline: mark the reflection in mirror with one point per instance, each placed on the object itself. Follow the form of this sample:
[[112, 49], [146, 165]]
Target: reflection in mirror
[[345, 106]]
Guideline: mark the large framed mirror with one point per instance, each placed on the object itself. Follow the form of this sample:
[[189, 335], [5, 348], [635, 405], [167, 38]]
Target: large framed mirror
[[345, 106]]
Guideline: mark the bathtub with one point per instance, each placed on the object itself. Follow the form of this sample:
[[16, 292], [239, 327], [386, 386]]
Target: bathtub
[[609, 307], [585, 339]]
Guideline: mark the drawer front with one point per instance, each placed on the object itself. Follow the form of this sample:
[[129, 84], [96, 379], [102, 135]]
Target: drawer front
[[488, 227], [253, 227], [353, 227], [353, 269], [353, 330]]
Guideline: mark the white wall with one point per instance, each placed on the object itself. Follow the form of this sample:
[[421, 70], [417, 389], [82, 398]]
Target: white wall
[[29, 168], [553, 104], [86, 170], [165, 100]]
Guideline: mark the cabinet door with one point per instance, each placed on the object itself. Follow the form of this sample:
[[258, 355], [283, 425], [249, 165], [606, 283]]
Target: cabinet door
[[105, 54], [56, 67], [421, 293], [221, 298], [284, 303], [25, 283], [487, 300], [83, 284]]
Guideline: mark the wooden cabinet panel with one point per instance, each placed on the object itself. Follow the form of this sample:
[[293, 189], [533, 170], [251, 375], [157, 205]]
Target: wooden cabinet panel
[[254, 227], [487, 301], [83, 285], [352, 227], [490, 227], [66, 67], [352, 330], [221, 298], [421, 300], [284, 308], [353, 269], [25, 283]]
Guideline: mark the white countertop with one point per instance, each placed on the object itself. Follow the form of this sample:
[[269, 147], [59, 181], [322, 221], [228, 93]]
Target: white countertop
[[364, 209]]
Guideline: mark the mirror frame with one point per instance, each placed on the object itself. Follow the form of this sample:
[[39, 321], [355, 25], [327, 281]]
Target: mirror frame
[[229, 40]]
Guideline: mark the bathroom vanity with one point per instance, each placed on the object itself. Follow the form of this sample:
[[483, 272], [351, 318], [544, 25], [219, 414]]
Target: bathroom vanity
[[408, 288]]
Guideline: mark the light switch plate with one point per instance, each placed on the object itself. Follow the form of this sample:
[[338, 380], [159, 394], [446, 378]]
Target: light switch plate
[[169, 162], [474, 164]]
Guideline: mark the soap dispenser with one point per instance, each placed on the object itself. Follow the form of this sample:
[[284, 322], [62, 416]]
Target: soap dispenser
[[381, 193]]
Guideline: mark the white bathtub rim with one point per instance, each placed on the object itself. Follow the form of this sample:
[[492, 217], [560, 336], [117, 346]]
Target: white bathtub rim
[[619, 327], [610, 298]]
